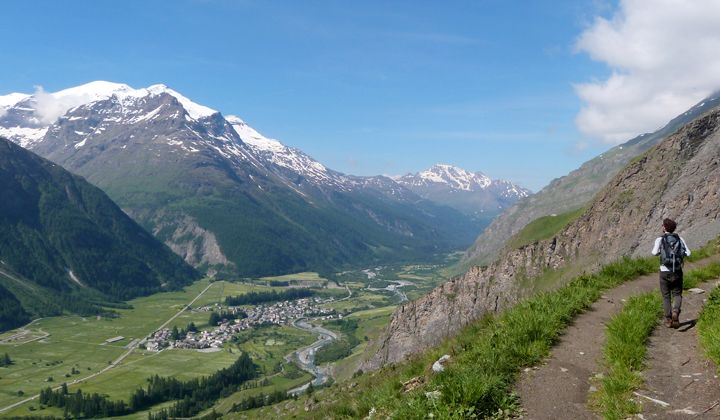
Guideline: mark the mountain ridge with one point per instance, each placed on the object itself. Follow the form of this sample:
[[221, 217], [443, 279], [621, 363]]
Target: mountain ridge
[[473, 193]]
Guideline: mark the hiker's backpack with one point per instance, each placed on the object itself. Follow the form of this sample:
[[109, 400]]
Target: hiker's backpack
[[672, 251]]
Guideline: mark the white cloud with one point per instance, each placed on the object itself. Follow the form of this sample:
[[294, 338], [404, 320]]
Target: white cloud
[[49, 107], [664, 58]]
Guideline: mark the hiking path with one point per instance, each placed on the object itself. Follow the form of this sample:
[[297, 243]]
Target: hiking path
[[560, 387]]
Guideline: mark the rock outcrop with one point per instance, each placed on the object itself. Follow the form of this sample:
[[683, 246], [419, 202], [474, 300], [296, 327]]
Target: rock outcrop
[[679, 178]]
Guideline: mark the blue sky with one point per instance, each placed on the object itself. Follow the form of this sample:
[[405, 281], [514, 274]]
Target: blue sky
[[372, 87]]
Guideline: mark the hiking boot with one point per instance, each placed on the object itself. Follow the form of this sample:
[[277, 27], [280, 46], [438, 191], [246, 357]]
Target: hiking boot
[[668, 322], [675, 319]]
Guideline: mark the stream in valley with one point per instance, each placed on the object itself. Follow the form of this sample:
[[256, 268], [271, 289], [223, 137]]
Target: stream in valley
[[305, 357]]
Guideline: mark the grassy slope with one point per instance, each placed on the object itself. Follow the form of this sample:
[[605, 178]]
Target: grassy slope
[[543, 228], [709, 321], [709, 327], [539, 229]]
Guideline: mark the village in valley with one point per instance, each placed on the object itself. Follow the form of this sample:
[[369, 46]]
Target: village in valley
[[235, 319]]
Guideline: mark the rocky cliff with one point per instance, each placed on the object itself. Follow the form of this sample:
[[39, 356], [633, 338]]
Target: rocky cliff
[[679, 178]]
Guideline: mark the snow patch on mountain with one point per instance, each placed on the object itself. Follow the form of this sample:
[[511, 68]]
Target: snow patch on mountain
[[277, 153], [93, 91], [26, 137], [250, 136], [194, 110], [48, 107]]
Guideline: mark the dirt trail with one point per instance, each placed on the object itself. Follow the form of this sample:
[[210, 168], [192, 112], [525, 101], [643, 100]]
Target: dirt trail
[[559, 388], [678, 373]]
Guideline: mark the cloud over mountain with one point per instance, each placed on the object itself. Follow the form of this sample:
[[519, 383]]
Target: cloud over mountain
[[663, 59]]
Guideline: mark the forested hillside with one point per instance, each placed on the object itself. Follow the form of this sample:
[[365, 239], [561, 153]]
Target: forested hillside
[[61, 235]]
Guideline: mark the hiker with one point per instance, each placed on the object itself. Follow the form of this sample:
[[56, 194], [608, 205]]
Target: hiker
[[672, 249]]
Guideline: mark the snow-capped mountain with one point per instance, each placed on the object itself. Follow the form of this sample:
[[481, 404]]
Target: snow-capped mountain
[[473, 193], [218, 192], [459, 179], [24, 118], [294, 164], [454, 177]]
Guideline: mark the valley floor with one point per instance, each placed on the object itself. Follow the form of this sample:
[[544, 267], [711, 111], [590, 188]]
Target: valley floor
[[106, 355]]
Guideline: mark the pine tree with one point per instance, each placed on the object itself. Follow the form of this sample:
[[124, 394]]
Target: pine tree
[[6, 360], [175, 334]]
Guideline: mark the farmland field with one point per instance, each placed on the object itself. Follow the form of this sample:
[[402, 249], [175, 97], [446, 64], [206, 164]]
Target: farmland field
[[51, 351]]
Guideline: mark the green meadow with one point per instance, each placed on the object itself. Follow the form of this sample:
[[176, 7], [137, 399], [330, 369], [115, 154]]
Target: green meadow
[[76, 347]]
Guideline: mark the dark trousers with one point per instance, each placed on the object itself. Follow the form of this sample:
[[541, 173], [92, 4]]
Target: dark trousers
[[671, 284]]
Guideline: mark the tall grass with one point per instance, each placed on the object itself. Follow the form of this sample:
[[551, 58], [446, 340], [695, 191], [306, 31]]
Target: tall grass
[[624, 355], [709, 326], [487, 355], [694, 277]]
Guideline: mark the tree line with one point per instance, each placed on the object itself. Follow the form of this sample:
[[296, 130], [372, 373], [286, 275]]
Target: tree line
[[217, 318], [194, 395], [260, 400], [254, 298]]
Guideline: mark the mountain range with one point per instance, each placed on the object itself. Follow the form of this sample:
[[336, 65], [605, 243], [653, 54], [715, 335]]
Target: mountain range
[[220, 194], [473, 193]]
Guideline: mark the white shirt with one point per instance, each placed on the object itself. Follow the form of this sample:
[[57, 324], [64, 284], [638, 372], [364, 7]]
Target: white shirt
[[656, 250]]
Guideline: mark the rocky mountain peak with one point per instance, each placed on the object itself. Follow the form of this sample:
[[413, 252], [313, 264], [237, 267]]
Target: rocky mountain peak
[[285, 157], [459, 179], [454, 177], [473, 193]]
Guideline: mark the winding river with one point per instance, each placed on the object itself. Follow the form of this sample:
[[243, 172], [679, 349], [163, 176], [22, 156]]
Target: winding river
[[305, 357]]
